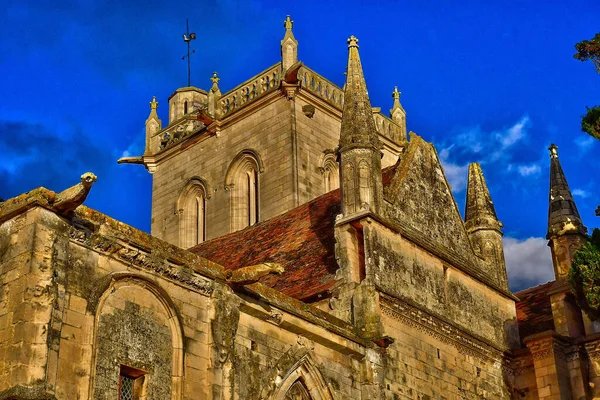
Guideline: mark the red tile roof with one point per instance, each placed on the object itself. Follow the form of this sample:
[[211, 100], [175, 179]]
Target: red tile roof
[[302, 240], [534, 312]]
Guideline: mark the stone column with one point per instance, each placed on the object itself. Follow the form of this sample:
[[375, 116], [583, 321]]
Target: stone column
[[550, 364]]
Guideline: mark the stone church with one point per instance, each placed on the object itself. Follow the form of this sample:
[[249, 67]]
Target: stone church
[[304, 246]]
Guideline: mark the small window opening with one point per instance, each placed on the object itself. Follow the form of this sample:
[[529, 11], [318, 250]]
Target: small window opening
[[185, 107], [478, 370], [438, 354], [253, 345], [131, 383]]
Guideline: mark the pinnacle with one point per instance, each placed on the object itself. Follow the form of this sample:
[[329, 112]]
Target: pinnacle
[[358, 125], [479, 208], [563, 217]]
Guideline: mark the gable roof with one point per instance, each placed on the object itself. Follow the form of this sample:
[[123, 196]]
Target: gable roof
[[301, 240], [423, 204], [534, 311]]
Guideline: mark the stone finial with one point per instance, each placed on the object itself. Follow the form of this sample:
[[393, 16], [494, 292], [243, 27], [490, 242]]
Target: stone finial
[[397, 112], [153, 124], [479, 208], [215, 82], [553, 151], [352, 42], [153, 103], [396, 95], [563, 217], [289, 45], [288, 23]]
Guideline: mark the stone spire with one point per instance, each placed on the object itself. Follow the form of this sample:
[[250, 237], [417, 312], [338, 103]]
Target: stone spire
[[563, 217], [359, 149], [483, 227], [289, 45], [153, 124], [358, 125], [397, 112], [479, 208]]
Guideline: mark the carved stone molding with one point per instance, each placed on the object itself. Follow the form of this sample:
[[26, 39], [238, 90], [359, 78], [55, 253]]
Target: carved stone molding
[[547, 347], [439, 329], [133, 256]]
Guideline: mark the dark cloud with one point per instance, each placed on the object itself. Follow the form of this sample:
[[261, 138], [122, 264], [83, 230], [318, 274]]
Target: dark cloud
[[34, 155]]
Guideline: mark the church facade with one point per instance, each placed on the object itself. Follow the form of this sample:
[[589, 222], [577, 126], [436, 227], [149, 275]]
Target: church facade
[[304, 246]]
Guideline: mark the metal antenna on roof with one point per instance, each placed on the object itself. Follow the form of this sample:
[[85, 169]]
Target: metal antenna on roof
[[188, 37]]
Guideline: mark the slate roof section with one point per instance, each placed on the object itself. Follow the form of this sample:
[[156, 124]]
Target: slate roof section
[[534, 312], [302, 240]]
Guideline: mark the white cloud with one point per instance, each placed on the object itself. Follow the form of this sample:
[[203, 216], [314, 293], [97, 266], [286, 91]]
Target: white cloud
[[455, 174], [528, 262], [527, 170], [512, 135], [581, 193], [584, 142]]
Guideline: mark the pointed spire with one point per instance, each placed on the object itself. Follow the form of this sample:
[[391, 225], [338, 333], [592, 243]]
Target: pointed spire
[[563, 217], [289, 45], [153, 124], [214, 94], [479, 207], [358, 126]]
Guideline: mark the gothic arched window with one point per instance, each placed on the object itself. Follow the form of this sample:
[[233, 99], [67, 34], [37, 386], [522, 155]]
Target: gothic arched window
[[191, 207], [331, 174], [243, 183]]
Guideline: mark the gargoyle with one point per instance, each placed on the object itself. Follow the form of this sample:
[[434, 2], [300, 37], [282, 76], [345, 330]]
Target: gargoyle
[[251, 274], [69, 199]]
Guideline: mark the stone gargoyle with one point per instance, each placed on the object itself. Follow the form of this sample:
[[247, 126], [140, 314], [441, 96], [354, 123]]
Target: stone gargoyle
[[69, 199], [252, 273]]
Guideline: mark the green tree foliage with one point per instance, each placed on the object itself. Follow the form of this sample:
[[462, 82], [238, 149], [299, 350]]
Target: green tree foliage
[[590, 50], [584, 276], [590, 122]]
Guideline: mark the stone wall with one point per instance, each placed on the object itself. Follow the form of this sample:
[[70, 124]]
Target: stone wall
[[406, 271], [267, 132]]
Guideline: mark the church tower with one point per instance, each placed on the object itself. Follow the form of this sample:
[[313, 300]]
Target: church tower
[[359, 148], [483, 227]]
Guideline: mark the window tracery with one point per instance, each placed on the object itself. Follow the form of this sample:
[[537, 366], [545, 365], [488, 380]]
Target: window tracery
[[297, 391]]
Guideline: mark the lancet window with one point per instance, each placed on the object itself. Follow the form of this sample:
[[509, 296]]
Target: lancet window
[[243, 183], [192, 213], [331, 175]]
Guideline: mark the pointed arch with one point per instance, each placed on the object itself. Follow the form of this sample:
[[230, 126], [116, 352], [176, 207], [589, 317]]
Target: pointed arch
[[302, 375], [106, 288], [191, 208], [330, 170], [243, 183]]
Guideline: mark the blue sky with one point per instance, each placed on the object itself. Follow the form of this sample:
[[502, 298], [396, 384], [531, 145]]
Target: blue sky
[[493, 82]]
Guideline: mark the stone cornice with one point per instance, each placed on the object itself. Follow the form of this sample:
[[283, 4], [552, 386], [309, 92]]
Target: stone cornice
[[442, 330]]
